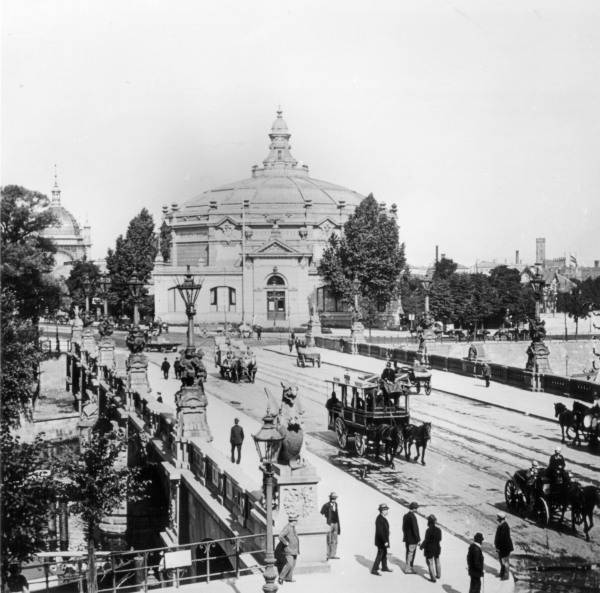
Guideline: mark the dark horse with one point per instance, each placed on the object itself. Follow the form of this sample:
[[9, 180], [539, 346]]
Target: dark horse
[[583, 500], [419, 435], [391, 437], [569, 419]]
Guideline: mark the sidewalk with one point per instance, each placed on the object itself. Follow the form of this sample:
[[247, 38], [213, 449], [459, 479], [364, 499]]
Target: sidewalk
[[358, 504], [538, 405]]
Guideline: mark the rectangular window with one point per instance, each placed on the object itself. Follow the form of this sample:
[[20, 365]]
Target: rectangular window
[[213, 296], [232, 297]]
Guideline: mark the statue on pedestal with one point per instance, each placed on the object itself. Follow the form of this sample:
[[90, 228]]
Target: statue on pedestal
[[107, 344], [538, 352], [137, 363], [191, 402]]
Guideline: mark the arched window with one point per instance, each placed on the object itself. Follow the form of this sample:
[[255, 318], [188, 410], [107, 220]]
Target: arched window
[[275, 281]]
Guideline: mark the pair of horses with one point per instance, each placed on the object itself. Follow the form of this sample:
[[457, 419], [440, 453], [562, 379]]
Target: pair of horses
[[571, 421], [393, 436]]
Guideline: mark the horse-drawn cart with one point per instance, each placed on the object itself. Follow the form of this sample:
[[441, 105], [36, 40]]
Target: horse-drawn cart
[[410, 378], [234, 360], [305, 355], [363, 417]]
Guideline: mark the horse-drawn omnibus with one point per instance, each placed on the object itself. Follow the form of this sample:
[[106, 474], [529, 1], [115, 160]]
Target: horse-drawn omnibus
[[362, 414]]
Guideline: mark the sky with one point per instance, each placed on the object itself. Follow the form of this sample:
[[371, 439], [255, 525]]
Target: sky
[[480, 119]]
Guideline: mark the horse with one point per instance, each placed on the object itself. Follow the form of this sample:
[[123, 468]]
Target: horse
[[419, 435], [569, 419], [391, 437], [583, 500]]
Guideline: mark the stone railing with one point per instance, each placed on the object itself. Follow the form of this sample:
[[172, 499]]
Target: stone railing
[[556, 385]]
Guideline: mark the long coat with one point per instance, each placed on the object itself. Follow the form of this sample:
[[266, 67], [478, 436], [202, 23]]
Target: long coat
[[431, 544], [503, 541], [382, 531], [410, 529], [475, 560], [237, 435], [331, 514], [289, 538]]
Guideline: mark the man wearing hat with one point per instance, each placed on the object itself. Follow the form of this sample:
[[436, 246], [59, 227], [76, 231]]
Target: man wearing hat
[[330, 511], [556, 462], [382, 540], [411, 536], [504, 545], [289, 538], [475, 563]]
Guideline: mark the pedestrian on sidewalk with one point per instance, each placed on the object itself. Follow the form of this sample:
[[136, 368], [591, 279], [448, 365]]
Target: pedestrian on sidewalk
[[331, 513], [382, 540], [289, 538], [177, 368], [475, 563], [165, 366], [432, 549], [504, 545], [291, 341], [236, 438], [258, 330], [411, 536], [486, 374]]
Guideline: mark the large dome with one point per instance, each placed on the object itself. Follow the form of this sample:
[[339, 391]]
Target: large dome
[[281, 185], [65, 225]]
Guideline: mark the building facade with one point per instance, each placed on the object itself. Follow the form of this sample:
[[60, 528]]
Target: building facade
[[73, 241], [256, 243]]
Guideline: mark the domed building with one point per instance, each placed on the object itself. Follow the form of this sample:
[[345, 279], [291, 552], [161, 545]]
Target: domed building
[[72, 241], [256, 243]]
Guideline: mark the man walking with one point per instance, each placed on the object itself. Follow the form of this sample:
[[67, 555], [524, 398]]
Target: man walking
[[487, 374], [475, 563], [504, 545], [330, 511], [177, 368], [432, 549], [165, 366], [236, 438], [411, 536], [258, 332], [289, 538], [382, 540]]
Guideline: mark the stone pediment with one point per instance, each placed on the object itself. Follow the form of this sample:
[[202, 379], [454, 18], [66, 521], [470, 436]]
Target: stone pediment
[[277, 248]]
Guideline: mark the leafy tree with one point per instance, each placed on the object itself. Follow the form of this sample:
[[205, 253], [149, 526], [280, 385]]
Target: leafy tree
[[27, 257], [368, 251], [75, 282], [575, 304], [165, 241], [134, 253], [444, 268], [510, 294], [96, 483]]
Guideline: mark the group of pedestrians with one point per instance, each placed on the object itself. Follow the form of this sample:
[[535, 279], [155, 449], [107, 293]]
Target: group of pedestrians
[[165, 367]]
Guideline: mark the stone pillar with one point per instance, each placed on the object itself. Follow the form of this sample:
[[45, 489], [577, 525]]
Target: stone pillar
[[192, 422], [76, 331], [137, 373], [314, 329], [298, 493], [357, 335], [88, 342], [106, 350]]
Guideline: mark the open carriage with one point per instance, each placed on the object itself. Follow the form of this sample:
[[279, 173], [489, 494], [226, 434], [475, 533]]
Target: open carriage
[[363, 417], [306, 355], [410, 378], [234, 360]]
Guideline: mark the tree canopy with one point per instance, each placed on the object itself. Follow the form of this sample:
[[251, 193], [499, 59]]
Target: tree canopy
[[369, 251], [75, 282]]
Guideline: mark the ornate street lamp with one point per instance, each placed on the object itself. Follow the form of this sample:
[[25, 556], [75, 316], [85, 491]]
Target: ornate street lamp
[[135, 288], [86, 286], [103, 286], [426, 283], [356, 291], [538, 283], [268, 442], [189, 290]]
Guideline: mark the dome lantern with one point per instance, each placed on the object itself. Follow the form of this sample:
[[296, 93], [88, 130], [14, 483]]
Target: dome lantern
[[279, 149]]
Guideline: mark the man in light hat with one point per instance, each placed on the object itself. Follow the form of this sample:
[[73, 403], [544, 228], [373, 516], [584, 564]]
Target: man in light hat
[[382, 540], [504, 545], [289, 538], [330, 511], [556, 462], [475, 563], [411, 536]]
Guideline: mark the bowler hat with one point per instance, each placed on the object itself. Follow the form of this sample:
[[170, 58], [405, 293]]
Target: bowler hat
[[478, 537], [431, 519], [383, 507], [413, 505], [333, 495], [292, 516]]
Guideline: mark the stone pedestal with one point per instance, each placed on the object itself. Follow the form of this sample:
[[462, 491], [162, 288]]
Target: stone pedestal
[[314, 329], [191, 414], [137, 373], [357, 335], [76, 330], [537, 358], [88, 343], [106, 353], [298, 493]]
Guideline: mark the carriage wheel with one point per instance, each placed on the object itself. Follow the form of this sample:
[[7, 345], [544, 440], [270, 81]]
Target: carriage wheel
[[511, 494], [418, 387], [541, 511], [342, 432], [428, 388], [360, 444]]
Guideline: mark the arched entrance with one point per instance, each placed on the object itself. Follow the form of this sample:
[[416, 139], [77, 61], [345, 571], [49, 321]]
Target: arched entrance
[[276, 301]]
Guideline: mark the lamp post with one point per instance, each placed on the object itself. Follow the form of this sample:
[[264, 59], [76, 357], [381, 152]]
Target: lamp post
[[356, 291], [103, 285], [86, 285], [426, 283], [189, 290], [135, 288], [268, 442], [538, 283]]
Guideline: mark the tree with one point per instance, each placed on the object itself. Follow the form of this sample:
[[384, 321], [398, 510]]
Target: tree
[[165, 241], [368, 251], [575, 305], [27, 257], [96, 483], [510, 294], [134, 253], [75, 282], [444, 268]]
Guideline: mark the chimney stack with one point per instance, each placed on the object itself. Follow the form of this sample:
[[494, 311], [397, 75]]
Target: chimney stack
[[437, 249], [517, 262]]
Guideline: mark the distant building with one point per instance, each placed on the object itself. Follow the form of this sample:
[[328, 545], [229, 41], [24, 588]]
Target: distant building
[[73, 242]]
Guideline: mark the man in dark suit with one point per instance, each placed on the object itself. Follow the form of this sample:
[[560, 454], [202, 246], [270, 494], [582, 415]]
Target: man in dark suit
[[236, 439], [411, 536], [382, 540], [475, 563], [331, 513], [504, 545]]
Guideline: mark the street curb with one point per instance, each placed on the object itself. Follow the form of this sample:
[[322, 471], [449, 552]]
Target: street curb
[[334, 364]]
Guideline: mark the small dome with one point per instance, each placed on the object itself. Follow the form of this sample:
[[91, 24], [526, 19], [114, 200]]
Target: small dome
[[279, 126], [66, 223]]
